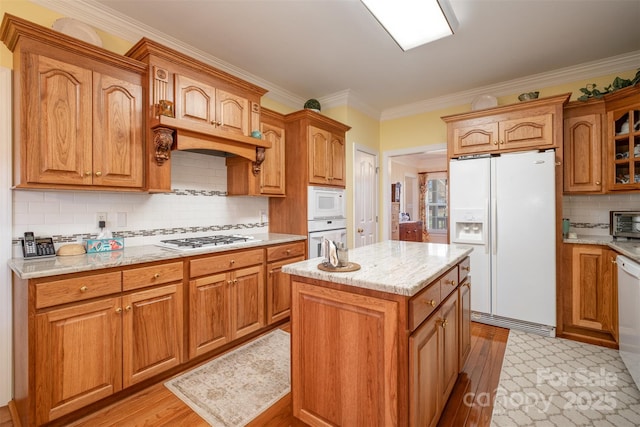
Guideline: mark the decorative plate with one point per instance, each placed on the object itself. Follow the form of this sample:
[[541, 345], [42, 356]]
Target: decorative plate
[[77, 29], [484, 101]]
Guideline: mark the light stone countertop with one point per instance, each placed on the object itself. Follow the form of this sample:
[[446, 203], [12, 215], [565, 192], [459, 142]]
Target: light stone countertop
[[392, 266], [45, 267], [629, 248]]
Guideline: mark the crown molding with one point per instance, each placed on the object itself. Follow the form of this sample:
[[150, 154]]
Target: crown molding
[[611, 65], [113, 22]]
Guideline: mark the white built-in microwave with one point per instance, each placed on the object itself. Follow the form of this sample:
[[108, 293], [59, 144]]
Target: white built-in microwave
[[326, 202]]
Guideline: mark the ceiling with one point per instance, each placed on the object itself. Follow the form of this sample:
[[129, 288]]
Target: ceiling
[[316, 48]]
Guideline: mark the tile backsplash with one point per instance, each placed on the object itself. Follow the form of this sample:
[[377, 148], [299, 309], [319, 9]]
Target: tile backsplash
[[197, 205], [589, 214]]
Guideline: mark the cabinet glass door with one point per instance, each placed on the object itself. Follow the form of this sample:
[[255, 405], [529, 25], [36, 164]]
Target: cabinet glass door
[[626, 129]]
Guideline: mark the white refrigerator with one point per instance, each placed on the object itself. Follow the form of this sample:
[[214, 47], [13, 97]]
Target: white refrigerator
[[504, 207]]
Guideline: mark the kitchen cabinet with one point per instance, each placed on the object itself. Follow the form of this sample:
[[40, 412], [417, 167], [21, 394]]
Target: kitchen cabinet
[[433, 364], [226, 293], [535, 124], [314, 153], [623, 139], [405, 341], [411, 231], [208, 109], [395, 220], [464, 299], [94, 335], [583, 152], [242, 179], [278, 283], [589, 310], [78, 112]]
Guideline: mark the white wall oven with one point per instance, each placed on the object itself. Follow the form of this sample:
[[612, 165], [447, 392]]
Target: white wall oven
[[335, 230], [325, 202]]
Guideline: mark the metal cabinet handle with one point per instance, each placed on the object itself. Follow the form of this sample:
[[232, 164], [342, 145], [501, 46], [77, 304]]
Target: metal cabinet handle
[[119, 310], [98, 173], [157, 275], [432, 303], [83, 289], [466, 268], [128, 308]]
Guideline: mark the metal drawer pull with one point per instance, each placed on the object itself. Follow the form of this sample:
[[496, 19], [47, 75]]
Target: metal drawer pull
[[466, 268], [155, 276], [432, 302], [128, 308], [119, 310], [83, 289]]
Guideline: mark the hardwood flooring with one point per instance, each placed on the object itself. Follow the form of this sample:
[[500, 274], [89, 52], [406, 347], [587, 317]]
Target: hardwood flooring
[[470, 403]]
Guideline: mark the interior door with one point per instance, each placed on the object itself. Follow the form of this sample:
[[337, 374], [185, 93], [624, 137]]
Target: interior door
[[366, 201]]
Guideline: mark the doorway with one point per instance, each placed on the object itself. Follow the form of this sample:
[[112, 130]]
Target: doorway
[[396, 164]]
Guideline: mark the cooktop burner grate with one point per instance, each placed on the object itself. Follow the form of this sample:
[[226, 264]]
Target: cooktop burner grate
[[205, 241]]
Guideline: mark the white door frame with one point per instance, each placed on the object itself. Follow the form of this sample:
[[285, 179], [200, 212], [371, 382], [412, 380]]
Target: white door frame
[[6, 230], [365, 149], [385, 170]]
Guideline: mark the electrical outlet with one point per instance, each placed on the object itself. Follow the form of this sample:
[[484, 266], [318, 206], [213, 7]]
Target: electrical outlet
[[263, 216], [101, 216]]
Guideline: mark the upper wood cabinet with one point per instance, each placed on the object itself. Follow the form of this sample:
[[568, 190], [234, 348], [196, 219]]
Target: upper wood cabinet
[[523, 126], [242, 177], [583, 135], [326, 157], [78, 121], [623, 139], [206, 109]]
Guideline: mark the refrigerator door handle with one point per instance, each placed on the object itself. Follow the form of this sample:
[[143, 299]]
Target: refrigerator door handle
[[494, 228]]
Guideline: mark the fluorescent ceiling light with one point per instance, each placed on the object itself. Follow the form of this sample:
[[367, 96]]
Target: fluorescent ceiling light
[[412, 23]]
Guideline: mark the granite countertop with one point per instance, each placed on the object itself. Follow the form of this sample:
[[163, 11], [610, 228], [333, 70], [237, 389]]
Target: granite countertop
[[393, 266], [34, 268], [629, 248]]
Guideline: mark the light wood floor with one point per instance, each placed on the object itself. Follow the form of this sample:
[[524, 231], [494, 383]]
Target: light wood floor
[[467, 406]]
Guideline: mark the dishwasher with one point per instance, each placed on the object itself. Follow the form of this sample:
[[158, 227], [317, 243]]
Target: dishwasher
[[629, 315]]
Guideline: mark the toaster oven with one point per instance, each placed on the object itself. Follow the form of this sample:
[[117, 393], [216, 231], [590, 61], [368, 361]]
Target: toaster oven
[[624, 224]]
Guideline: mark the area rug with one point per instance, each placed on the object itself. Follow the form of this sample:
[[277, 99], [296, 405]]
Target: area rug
[[557, 382], [234, 388]]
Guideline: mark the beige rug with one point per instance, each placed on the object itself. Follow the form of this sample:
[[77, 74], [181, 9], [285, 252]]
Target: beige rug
[[557, 382], [236, 387]]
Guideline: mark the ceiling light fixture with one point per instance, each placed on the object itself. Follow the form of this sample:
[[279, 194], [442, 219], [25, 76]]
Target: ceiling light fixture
[[412, 23]]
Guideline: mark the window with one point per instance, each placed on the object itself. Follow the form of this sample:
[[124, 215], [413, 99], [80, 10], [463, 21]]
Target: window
[[436, 203]]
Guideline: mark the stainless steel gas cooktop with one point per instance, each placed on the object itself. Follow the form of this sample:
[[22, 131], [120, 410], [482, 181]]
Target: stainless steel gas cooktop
[[194, 243]]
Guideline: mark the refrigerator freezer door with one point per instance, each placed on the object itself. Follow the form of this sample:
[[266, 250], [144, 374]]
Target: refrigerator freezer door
[[525, 266], [469, 193]]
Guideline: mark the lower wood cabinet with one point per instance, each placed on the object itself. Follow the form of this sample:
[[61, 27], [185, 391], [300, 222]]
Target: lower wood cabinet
[[411, 231], [364, 357], [589, 292], [86, 351], [278, 283], [227, 303]]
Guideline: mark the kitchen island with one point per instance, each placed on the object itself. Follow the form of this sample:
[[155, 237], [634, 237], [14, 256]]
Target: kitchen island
[[382, 345]]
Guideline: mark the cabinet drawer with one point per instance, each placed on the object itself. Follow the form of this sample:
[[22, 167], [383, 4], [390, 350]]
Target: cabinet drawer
[[217, 263], [449, 282], [285, 251], [423, 304], [149, 276], [63, 291], [465, 269]]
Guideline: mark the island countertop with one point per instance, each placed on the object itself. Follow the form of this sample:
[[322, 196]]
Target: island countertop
[[393, 266]]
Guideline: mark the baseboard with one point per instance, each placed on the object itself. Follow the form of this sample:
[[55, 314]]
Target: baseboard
[[520, 325]]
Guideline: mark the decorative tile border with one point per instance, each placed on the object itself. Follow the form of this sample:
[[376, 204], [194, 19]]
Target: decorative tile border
[[72, 238], [186, 192], [590, 225]]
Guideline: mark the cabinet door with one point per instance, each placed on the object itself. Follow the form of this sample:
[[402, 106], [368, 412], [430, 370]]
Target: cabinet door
[[623, 128], [247, 301], [56, 117], [425, 360], [534, 132], [593, 303], [319, 140], [194, 101], [272, 173], [78, 357], [336, 163], [152, 332], [117, 132], [232, 113], [279, 290], [474, 137], [449, 325], [583, 154], [465, 322], [209, 326]]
